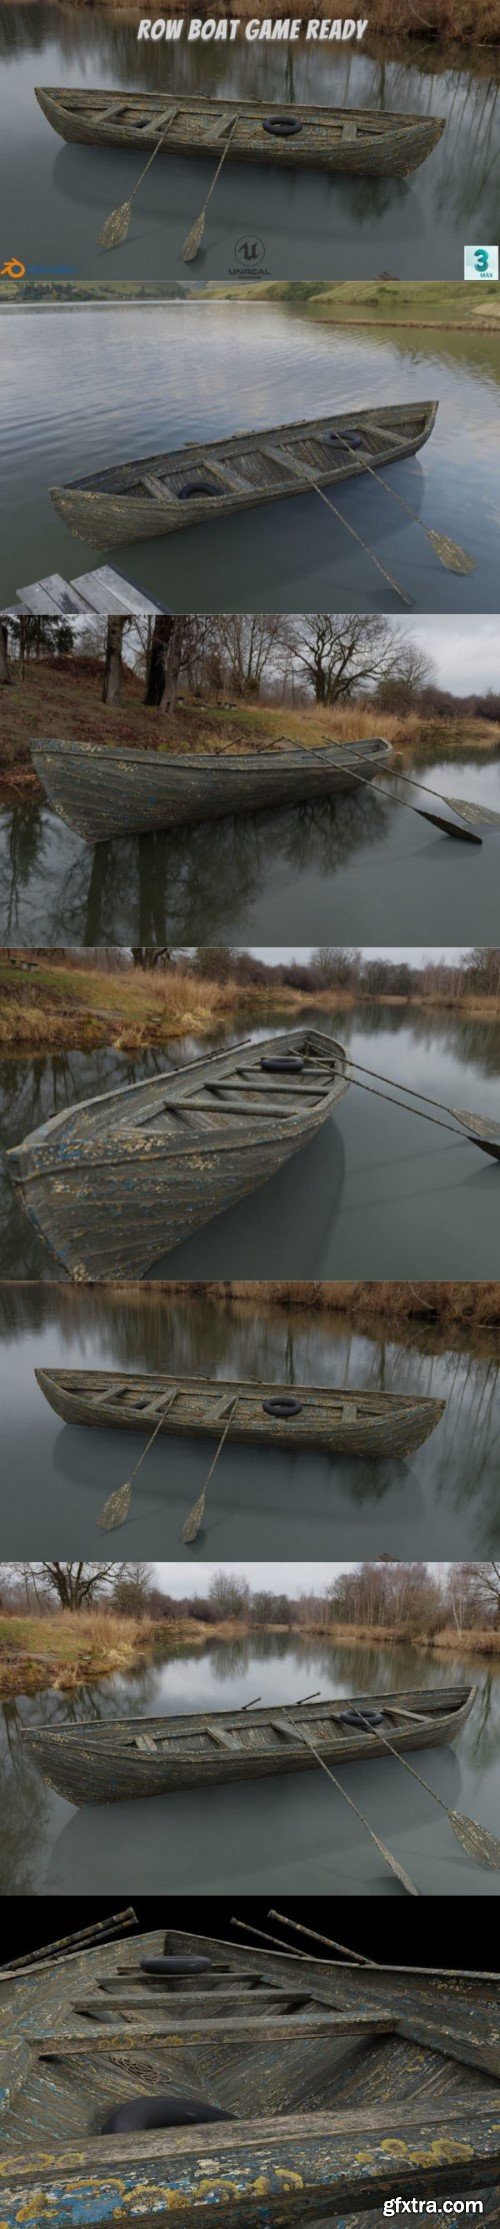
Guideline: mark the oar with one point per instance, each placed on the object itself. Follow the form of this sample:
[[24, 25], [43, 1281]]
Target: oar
[[357, 1956], [115, 1510], [396, 1868], [115, 229], [471, 1123], [195, 236], [479, 1844], [263, 1937], [196, 1514], [401, 592], [451, 553], [450, 827]]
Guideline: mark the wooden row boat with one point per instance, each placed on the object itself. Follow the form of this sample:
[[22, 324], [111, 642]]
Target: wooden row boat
[[333, 1419], [209, 479], [129, 1757], [118, 1180], [302, 137], [103, 792], [338, 2079]]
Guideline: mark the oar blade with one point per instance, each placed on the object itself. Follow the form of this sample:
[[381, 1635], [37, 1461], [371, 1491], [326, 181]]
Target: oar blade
[[115, 230], [192, 1525], [481, 1846], [481, 1130], [450, 827], [390, 1859], [116, 1509], [194, 240], [451, 554]]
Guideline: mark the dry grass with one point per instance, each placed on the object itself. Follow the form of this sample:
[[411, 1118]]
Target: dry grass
[[62, 698], [64, 1648], [131, 1009], [455, 1306]]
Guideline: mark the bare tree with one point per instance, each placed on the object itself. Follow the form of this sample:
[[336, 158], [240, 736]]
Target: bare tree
[[111, 688], [5, 676], [76, 1584], [165, 661], [345, 653]]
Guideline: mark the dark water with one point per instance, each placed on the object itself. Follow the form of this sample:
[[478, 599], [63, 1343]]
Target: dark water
[[350, 869], [441, 1502], [306, 225], [87, 387], [291, 1834], [378, 1193]]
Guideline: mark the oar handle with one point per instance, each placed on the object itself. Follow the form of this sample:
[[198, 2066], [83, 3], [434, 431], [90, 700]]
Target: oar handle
[[219, 165], [156, 151]]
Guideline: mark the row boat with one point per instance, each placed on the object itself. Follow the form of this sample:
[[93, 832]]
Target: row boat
[[302, 137], [116, 1181], [210, 479], [130, 1757], [103, 792], [335, 1420], [337, 2077]]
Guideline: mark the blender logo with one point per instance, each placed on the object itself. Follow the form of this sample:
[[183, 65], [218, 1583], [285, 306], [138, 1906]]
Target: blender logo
[[14, 269]]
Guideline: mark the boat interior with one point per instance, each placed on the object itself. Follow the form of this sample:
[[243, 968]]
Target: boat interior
[[266, 461], [264, 1730]]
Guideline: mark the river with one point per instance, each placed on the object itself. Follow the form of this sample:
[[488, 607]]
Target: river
[[441, 1502], [86, 387], [349, 867], [289, 1835]]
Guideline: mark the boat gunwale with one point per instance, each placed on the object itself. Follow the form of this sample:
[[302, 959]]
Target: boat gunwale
[[101, 1733], [189, 1387], [135, 755], [387, 119], [241, 441]]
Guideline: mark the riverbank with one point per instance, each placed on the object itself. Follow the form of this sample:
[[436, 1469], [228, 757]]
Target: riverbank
[[62, 697], [48, 1005], [449, 1307], [71, 1650]]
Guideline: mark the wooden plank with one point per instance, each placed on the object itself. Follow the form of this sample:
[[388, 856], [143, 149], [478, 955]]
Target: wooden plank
[[52, 595], [134, 599]]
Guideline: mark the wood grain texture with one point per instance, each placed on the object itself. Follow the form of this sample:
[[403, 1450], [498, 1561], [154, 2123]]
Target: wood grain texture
[[163, 493], [337, 1420], [127, 1758], [366, 141], [103, 792], [118, 1180]]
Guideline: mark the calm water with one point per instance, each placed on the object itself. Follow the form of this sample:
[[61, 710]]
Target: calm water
[[86, 387], [289, 1835], [378, 1193], [345, 870], [442, 1502], [332, 228]]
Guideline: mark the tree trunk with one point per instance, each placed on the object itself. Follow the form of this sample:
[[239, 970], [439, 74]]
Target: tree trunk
[[164, 662], [22, 647], [113, 665], [5, 676]]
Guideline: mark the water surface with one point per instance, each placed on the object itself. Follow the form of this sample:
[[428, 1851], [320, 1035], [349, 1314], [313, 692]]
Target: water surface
[[379, 1192], [442, 1502], [305, 225], [288, 1835], [87, 387], [344, 870]]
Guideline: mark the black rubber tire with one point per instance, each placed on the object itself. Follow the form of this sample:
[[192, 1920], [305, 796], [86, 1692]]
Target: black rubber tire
[[177, 1965], [161, 2112], [361, 1718], [285, 1064], [282, 127], [195, 487], [354, 439], [281, 1407]]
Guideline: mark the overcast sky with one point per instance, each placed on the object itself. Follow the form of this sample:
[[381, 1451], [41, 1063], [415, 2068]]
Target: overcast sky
[[282, 1578], [417, 954], [465, 651]]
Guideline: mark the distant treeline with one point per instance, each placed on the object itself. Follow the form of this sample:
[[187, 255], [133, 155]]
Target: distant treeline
[[423, 1599]]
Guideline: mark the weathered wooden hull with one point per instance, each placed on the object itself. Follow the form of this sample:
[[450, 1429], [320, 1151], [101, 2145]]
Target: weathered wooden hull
[[111, 1185], [337, 1422], [106, 1764], [332, 2073], [156, 495], [366, 142], [102, 792]]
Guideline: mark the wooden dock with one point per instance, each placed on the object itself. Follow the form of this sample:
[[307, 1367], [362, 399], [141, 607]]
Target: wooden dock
[[105, 591]]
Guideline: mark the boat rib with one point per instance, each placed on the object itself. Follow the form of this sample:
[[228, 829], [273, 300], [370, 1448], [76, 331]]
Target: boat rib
[[102, 791], [363, 140], [160, 494], [130, 1757], [116, 1181], [336, 1420]]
